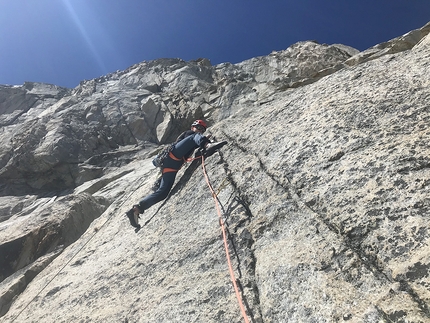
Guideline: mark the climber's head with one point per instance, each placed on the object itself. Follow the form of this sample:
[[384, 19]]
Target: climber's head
[[199, 125]]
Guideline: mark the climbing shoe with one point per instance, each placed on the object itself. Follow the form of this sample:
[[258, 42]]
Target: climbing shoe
[[138, 209], [133, 216]]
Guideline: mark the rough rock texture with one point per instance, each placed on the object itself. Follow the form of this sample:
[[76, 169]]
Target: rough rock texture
[[324, 188]]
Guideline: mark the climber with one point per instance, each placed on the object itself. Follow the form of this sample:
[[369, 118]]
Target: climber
[[182, 149]]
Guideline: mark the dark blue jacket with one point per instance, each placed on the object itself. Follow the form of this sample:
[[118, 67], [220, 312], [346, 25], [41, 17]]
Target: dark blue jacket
[[185, 145]]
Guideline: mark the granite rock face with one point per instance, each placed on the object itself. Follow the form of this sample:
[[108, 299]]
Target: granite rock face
[[324, 189]]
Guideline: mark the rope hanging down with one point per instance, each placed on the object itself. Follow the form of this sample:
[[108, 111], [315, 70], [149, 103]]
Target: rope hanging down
[[224, 235]]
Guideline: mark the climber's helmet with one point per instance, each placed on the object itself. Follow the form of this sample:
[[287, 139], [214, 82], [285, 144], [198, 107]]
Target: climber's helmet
[[200, 125]]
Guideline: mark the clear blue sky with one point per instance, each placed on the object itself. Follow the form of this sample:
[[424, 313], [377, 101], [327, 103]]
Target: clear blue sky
[[63, 42]]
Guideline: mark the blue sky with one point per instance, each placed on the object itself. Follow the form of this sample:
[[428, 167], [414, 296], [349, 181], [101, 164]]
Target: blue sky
[[63, 42]]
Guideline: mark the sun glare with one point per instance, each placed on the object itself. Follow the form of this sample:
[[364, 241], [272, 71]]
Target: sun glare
[[83, 31]]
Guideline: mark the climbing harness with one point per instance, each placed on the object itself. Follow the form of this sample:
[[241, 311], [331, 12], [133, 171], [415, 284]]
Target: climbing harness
[[161, 157], [224, 235], [169, 170], [174, 157]]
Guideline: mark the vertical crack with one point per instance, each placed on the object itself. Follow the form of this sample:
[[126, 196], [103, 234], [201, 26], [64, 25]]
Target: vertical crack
[[368, 261], [238, 215]]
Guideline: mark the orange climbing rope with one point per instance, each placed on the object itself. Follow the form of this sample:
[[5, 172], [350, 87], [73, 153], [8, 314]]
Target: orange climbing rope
[[230, 267]]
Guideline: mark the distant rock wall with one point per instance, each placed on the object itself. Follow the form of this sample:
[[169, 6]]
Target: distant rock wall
[[324, 189]]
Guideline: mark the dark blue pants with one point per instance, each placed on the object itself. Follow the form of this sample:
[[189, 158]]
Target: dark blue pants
[[167, 181], [183, 148]]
